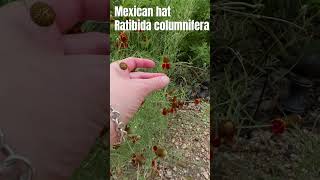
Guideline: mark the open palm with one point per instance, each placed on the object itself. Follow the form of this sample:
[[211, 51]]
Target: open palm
[[53, 85]]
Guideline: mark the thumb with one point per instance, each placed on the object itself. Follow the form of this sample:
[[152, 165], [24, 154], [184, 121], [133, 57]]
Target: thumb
[[156, 83]]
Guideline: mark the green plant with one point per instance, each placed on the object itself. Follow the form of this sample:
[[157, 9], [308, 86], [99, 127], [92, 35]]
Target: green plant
[[188, 56]]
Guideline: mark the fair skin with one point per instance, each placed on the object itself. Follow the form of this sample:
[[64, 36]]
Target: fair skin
[[53, 85], [128, 88]]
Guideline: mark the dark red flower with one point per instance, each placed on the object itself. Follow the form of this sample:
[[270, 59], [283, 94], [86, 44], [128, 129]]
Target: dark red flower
[[123, 37], [197, 101], [154, 148], [216, 142], [163, 66], [167, 66], [164, 111], [278, 126]]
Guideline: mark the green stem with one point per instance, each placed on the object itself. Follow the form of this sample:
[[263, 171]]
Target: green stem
[[255, 126]]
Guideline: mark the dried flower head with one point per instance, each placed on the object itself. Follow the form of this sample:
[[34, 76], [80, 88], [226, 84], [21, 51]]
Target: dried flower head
[[155, 167], [138, 160], [134, 138], [160, 152], [180, 104], [123, 37], [154, 148], [293, 120], [227, 129]]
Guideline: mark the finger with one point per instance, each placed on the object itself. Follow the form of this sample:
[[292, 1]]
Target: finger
[[86, 43], [134, 63], [155, 84], [70, 12], [144, 75]]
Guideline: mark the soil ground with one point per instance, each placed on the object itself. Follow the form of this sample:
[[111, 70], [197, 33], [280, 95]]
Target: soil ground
[[188, 139], [264, 155]]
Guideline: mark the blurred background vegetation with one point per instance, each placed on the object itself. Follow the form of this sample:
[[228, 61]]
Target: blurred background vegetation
[[256, 44]]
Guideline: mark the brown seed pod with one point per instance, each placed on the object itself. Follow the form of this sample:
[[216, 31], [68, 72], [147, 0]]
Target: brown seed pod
[[293, 120], [129, 130], [116, 146], [123, 66], [227, 129], [134, 138], [160, 152], [42, 14]]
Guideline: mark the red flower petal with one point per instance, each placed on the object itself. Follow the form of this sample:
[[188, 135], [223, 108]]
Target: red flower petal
[[123, 37], [167, 66], [163, 66], [197, 101], [164, 111], [278, 126], [154, 148]]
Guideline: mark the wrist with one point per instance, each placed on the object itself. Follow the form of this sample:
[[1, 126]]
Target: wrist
[[113, 133], [117, 127]]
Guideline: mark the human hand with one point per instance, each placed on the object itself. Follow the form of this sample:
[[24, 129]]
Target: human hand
[[53, 85], [128, 88]]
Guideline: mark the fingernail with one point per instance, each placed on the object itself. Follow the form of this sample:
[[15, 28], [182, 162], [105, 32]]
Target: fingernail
[[165, 79]]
